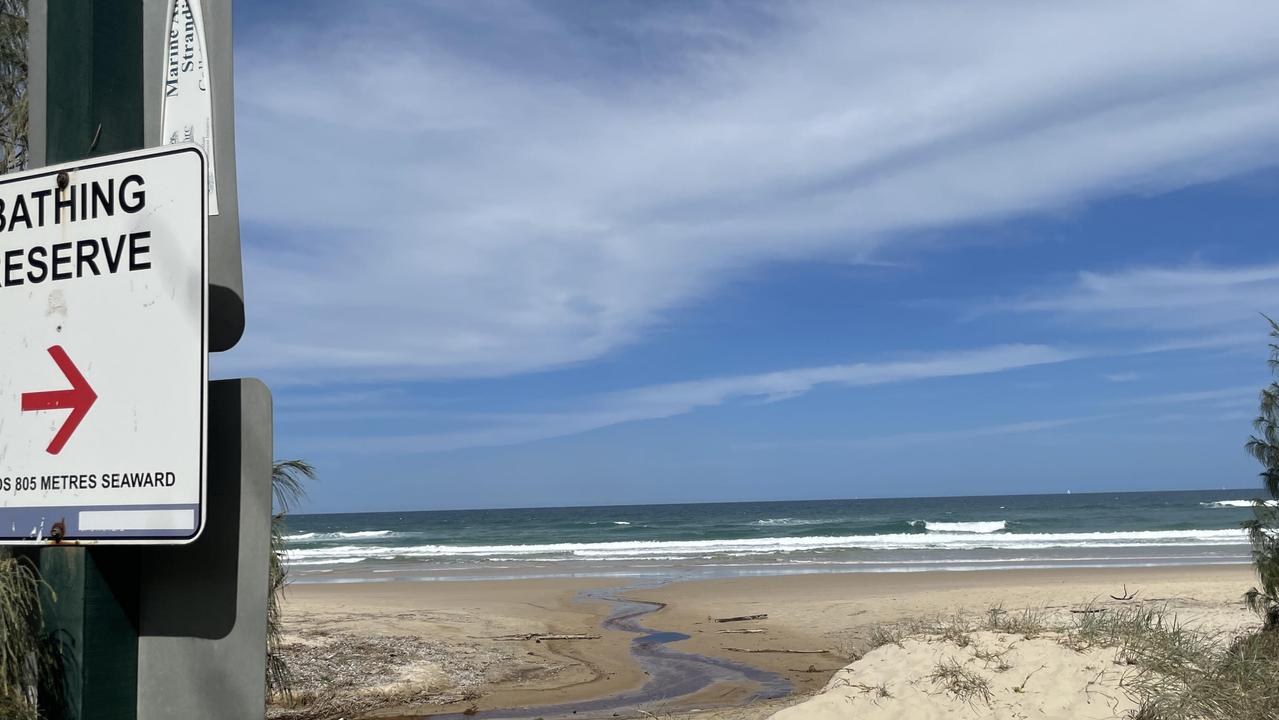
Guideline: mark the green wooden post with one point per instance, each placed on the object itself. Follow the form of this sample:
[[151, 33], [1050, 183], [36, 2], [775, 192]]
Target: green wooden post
[[94, 107], [94, 621], [94, 91]]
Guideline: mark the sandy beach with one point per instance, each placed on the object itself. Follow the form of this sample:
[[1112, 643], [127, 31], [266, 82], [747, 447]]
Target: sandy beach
[[412, 649]]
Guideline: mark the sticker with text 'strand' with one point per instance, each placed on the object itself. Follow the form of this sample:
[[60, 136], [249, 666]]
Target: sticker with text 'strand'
[[103, 327], [187, 115]]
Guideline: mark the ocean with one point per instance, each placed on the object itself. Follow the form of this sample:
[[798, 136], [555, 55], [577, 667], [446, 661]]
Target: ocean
[[753, 538]]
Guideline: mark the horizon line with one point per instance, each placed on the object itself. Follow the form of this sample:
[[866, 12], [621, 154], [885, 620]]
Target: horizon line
[[746, 502]]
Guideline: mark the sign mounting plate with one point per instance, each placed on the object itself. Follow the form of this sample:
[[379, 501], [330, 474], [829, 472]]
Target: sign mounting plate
[[103, 325]]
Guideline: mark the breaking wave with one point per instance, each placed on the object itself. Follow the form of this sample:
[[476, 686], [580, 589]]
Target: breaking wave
[[340, 535], [962, 527], [790, 521]]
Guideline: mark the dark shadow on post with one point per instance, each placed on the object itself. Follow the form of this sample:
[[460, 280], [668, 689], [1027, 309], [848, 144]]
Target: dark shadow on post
[[226, 316], [208, 568]]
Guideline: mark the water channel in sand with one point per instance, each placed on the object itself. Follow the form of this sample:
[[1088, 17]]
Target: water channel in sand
[[672, 674]]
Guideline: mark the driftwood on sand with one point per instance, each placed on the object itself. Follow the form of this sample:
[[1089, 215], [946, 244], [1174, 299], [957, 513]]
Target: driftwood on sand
[[777, 650], [539, 637], [741, 618], [1125, 596]]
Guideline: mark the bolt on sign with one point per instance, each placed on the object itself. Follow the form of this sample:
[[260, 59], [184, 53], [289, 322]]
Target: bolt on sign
[[103, 325]]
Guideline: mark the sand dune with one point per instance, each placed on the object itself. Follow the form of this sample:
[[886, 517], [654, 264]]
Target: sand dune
[[995, 676]]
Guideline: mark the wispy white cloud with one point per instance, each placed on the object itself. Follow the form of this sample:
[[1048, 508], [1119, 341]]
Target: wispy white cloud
[[1025, 427], [1164, 309], [1178, 340], [341, 400], [668, 400], [1233, 396], [656, 402], [1219, 299], [438, 208], [1016, 428], [1122, 377], [1238, 416]]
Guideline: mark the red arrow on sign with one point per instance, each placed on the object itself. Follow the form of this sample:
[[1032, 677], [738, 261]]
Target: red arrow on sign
[[78, 399]]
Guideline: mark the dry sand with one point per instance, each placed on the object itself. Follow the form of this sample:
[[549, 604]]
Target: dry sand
[[447, 658]]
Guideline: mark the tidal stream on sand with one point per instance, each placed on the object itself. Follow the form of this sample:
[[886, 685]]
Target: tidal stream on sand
[[672, 674]]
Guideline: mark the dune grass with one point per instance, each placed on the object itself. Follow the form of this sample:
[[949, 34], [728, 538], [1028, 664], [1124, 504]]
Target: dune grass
[[1187, 674]]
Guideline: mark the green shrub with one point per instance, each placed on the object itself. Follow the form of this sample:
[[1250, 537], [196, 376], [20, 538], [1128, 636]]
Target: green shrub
[[1263, 528]]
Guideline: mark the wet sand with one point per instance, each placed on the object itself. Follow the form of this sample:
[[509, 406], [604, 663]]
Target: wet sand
[[467, 618], [815, 624]]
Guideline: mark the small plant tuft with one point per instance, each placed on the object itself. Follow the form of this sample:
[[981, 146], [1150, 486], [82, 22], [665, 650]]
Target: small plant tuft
[[881, 635], [1029, 623], [961, 682], [955, 629], [996, 660]]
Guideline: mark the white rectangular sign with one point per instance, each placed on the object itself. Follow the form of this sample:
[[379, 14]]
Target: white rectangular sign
[[103, 304]]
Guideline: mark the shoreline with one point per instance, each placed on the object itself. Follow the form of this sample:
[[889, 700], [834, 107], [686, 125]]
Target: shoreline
[[818, 619], [667, 575]]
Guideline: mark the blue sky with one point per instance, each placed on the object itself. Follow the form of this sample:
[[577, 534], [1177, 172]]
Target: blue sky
[[549, 253]]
